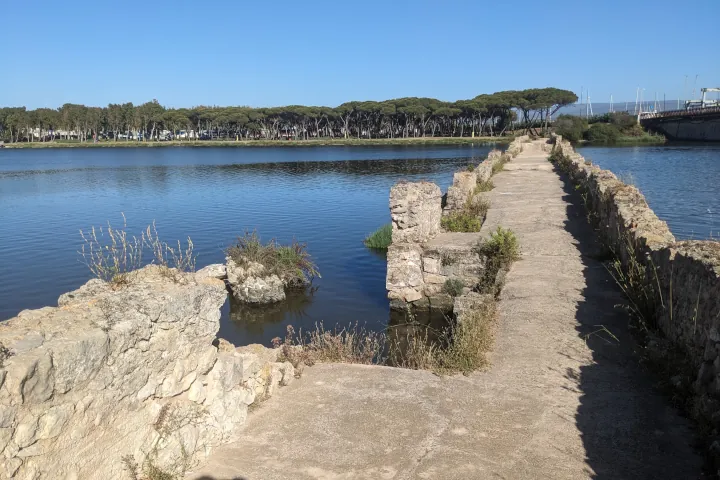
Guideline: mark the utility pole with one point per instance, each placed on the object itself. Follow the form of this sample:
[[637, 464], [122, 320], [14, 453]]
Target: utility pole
[[637, 96], [685, 90]]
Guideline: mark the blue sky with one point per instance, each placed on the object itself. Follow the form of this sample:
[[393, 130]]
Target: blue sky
[[268, 53]]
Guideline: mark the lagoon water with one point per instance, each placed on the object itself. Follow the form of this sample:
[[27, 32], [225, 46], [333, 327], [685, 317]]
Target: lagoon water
[[329, 197], [681, 182]]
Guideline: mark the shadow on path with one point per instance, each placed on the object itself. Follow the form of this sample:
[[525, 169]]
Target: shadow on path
[[205, 477], [629, 431]]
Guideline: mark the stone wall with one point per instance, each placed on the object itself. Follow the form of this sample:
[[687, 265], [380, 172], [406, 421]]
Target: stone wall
[[418, 267], [125, 371], [683, 276]]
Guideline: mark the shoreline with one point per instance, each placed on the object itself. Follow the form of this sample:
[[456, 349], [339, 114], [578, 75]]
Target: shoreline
[[326, 142]]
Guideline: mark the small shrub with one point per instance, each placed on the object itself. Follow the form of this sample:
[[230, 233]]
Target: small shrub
[[571, 127], [502, 245], [461, 222], [499, 251], [289, 262], [484, 186], [447, 259], [624, 121], [556, 156], [469, 219], [380, 239], [470, 167], [603, 133], [453, 287]]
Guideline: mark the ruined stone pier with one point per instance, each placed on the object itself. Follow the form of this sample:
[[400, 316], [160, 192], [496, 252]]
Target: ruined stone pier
[[565, 397]]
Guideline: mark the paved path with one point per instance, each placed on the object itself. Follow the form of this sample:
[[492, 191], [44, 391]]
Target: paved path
[[560, 402]]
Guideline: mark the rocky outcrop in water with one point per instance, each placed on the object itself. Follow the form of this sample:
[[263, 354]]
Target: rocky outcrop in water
[[125, 374], [252, 283]]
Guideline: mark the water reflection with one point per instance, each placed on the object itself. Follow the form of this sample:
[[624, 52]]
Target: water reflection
[[405, 329], [255, 318]]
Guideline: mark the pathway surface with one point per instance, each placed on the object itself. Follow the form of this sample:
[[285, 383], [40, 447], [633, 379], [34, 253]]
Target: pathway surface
[[560, 402]]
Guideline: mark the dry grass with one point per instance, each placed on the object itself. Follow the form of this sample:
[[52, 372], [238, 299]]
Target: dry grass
[[500, 164], [461, 348], [484, 186], [471, 340], [112, 253]]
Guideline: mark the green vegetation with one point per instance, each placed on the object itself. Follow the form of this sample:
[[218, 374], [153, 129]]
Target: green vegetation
[[380, 239], [484, 186], [499, 252], [492, 115], [461, 222], [603, 133], [111, 254], [453, 287], [469, 219], [500, 164], [312, 142], [571, 128], [470, 167], [292, 263], [610, 128]]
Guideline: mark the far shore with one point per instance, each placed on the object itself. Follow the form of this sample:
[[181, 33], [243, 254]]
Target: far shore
[[264, 143]]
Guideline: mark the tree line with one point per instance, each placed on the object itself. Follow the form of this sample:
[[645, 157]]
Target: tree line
[[487, 114]]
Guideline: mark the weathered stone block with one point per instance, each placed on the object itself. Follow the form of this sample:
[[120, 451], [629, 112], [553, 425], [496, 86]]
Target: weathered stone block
[[415, 209]]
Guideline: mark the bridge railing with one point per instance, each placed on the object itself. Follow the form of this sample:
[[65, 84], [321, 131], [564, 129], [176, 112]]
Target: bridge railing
[[674, 113]]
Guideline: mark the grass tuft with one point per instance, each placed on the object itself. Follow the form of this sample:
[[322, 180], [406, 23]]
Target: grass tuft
[[484, 186], [380, 239], [500, 164], [469, 219], [453, 287], [471, 340], [292, 263]]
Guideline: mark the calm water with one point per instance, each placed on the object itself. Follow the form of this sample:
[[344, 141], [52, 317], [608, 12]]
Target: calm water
[[681, 183], [329, 197]]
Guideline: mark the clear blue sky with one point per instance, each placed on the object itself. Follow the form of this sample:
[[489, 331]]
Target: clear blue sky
[[268, 53]]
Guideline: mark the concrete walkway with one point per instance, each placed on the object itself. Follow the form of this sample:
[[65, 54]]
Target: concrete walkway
[[563, 400]]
